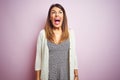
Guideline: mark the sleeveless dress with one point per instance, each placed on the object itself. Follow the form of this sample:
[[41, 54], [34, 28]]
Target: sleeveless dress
[[58, 60]]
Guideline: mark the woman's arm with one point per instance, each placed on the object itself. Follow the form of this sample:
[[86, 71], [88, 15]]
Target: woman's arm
[[75, 56], [38, 74], [38, 59]]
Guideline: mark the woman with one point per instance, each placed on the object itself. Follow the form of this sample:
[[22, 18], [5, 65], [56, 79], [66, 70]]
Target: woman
[[55, 55]]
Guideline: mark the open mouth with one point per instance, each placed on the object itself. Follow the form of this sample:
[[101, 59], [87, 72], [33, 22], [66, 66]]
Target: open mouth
[[57, 21]]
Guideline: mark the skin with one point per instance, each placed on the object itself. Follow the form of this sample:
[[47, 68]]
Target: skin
[[38, 73], [56, 13]]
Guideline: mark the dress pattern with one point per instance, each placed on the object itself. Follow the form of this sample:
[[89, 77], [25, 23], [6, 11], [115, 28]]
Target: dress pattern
[[58, 60]]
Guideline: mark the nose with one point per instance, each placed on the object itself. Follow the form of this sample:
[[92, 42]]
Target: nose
[[56, 14]]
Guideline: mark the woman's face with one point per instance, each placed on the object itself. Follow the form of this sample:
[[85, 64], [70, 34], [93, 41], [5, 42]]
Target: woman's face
[[56, 17]]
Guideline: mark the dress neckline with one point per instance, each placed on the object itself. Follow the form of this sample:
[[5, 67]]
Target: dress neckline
[[58, 43]]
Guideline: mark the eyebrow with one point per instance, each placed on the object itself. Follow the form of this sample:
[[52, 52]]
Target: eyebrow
[[54, 10]]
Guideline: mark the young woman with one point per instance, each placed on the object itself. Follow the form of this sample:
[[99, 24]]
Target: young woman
[[55, 55]]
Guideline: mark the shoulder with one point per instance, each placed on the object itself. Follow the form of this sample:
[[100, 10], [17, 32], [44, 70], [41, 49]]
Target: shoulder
[[42, 33], [71, 32]]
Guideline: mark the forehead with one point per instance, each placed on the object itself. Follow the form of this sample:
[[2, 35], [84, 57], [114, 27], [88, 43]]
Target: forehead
[[56, 9]]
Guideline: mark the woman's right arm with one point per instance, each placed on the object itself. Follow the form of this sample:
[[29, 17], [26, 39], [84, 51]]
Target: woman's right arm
[[38, 57], [38, 74]]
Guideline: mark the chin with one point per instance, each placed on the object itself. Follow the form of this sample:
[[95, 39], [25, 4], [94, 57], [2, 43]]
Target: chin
[[57, 26]]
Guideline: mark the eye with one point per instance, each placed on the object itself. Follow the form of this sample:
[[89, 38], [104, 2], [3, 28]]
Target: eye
[[60, 12], [53, 12]]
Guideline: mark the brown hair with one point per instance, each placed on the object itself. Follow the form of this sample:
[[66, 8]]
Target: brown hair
[[48, 26]]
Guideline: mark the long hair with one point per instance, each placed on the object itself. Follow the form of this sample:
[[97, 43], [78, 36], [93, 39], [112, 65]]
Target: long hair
[[49, 27]]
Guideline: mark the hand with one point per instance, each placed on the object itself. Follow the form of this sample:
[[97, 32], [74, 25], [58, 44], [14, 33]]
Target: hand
[[76, 74]]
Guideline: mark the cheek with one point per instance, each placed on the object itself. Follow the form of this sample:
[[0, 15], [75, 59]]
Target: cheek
[[52, 16], [52, 19], [62, 17]]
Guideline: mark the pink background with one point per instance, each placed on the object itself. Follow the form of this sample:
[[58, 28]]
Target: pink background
[[96, 24]]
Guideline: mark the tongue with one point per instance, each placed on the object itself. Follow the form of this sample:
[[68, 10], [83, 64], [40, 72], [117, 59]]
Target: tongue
[[57, 22]]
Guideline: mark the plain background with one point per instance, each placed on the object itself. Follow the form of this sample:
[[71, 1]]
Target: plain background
[[96, 24]]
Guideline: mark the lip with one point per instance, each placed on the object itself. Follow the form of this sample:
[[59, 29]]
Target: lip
[[57, 19]]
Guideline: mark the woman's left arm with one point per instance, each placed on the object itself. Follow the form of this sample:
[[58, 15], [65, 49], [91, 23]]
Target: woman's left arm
[[75, 57]]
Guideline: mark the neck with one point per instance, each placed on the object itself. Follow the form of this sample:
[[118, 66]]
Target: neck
[[57, 29]]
